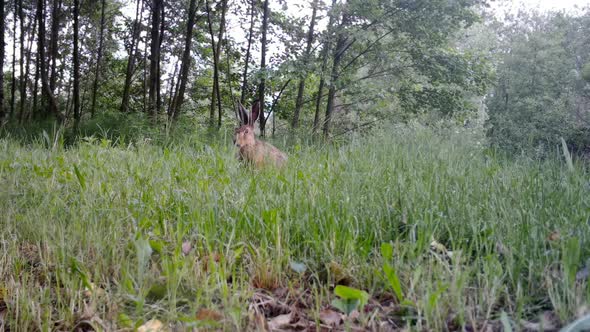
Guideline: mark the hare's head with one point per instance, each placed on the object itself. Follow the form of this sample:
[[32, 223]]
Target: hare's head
[[244, 134]]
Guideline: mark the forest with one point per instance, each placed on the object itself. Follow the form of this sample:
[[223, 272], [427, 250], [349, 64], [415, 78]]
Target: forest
[[435, 170]]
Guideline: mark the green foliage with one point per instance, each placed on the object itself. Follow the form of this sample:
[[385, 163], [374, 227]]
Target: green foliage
[[349, 299], [539, 93]]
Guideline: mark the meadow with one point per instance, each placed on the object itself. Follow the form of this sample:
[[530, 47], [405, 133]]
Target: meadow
[[408, 228]]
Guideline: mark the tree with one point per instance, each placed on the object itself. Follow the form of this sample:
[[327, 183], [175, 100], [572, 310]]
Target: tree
[[98, 57], [76, 60], [2, 60], [186, 62], [301, 86], [247, 58], [48, 94], [154, 77], [132, 55], [262, 86]]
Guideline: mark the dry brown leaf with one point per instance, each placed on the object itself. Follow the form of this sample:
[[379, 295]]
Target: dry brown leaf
[[186, 247], [93, 290], [330, 317], [279, 322], [208, 314], [553, 236], [153, 325]]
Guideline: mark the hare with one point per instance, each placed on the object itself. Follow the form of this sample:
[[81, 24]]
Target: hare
[[252, 150]]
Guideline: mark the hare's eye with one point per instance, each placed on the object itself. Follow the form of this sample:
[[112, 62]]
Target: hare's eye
[[246, 131]]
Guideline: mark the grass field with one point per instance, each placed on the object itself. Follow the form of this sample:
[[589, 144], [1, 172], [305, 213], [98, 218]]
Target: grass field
[[440, 234]]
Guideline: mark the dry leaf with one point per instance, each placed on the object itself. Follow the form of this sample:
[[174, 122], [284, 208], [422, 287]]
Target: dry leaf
[[186, 247], [153, 325], [279, 322], [554, 236], [330, 317], [93, 290], [208, 314]]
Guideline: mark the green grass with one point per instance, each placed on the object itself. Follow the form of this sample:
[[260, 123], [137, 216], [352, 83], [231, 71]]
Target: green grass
[[116, 217]]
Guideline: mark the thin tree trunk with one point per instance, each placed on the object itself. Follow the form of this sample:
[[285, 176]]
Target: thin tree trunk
[[36, 84], [186, 61], [218, 57], [23, 91], [52, 107], [172, 90], [337, 58], [77, 113], [160, 40], [23, 77], [301, 88], [247, 60], [261, 88], [13, 81], [325, 52], [98, 59], [53, 51], [214, 49], [154, 57], [132, 56], [2, 53]]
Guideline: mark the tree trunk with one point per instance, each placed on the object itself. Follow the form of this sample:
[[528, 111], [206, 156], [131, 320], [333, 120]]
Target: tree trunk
[[337, 58], [2, 53], [247, 60], [218, 57], [76, 59], [159, 81], [154, 57], [98, 59], [13, 81], [52, 107], [23, 87], [215, 66], [261, 88], [301, 88], [325, 52], [21, 60], [53, 51], [132, 56], [173, 87], [186, 61]]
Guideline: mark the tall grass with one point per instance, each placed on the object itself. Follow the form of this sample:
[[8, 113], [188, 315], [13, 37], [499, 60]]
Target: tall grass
[[94, 233]]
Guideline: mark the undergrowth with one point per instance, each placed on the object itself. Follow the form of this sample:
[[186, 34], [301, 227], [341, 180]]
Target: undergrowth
[[114, 235]]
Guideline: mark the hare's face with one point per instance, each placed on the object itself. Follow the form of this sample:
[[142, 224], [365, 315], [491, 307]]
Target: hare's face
[[244, 136]]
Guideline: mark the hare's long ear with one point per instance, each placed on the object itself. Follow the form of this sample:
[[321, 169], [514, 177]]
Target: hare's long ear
[[255, 112], [242, 114]]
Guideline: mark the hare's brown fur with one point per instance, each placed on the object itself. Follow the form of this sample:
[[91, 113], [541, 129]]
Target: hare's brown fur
[[252, 150]]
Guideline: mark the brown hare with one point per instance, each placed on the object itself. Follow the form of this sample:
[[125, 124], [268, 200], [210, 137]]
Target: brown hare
[[251, 150]]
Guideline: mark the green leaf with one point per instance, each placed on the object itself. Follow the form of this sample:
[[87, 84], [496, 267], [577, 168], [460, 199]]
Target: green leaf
[[346, 306], [349, 293], [157, 246], [394, 282]]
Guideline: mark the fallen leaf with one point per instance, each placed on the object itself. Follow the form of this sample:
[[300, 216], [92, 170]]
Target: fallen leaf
[[208, 314], [153, 325], [93, 289], [279, 322], [330, 317], [186, 247], [554, 236]]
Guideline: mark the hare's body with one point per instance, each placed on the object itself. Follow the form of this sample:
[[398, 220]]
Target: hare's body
[[251, 150]]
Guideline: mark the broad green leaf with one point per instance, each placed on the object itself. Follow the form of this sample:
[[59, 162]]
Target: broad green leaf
[[349, 293], [346, 306], [394, 282]]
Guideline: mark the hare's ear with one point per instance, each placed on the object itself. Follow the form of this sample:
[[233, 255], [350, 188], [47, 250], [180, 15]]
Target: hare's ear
[[255, 112], [242, 114]]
